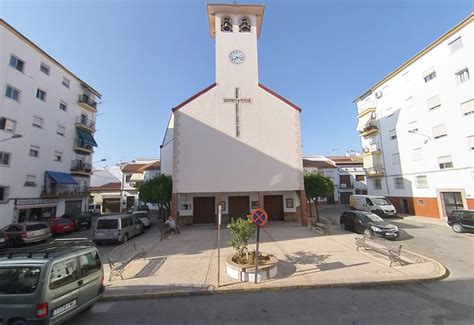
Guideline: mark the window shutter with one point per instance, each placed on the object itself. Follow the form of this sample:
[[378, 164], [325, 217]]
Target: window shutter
[[417, 154], [444, 159], [467, 107], [433, 102], [439, 131], [456, 45]]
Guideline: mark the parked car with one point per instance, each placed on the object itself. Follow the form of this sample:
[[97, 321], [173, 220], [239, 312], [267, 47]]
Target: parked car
[[3, 241], [143, 207], [95, 209], [117, 228], [144, 217], [18, 234], [61, 225], [49, 283], [369, 224], [379, 205], [82, 220], [461, 220]]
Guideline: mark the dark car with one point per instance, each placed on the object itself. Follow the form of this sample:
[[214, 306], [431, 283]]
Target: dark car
[[82, 220], [369, 224], [461, 220]]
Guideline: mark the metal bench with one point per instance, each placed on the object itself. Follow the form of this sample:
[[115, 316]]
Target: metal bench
[[380, 246], [117, 268]]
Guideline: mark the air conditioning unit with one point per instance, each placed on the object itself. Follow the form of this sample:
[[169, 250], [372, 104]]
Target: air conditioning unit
[[378, 94]]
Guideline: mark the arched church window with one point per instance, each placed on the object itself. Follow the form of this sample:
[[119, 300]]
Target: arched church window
[[226, 24], [244, 26]]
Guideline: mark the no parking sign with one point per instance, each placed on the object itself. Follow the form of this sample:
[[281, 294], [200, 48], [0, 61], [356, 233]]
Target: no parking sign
[[259, 217]]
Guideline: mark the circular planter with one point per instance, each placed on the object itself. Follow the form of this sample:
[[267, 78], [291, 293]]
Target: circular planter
[[246, 273]]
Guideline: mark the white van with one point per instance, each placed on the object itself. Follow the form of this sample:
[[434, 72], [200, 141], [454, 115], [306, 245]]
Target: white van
[[379, 205]]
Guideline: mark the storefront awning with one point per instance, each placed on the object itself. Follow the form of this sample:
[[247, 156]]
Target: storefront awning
[[364, 121], [137, 177], [86, 137], [62, 178]]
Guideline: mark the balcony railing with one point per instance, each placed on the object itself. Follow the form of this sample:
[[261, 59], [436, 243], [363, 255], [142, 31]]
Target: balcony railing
[[81, 167], [346, 186], [81, 145], [369, 130], [64, 190], [85, 99], [374, 171], [365, 110], [82, 121]]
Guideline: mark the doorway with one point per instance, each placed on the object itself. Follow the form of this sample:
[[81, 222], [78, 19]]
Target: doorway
[[452, 201], [405, 209]]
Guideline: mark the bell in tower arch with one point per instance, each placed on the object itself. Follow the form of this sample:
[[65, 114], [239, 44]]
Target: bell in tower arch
[[244, 26], [226, 25]]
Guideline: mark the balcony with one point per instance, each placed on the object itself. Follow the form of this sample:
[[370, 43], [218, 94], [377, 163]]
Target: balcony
[[372, 149], [88, 103], [64, 190], [78, 167], [85, 123], [376, 171], [82, 146], [369, 131], [344, 186], [365, 111]]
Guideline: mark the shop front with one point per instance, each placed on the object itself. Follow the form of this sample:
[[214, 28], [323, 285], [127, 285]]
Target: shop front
[[34, 209]]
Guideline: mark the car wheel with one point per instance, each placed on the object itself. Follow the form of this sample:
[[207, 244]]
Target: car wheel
[[457, 227], [18, 322], [368, 233], [125, 238]]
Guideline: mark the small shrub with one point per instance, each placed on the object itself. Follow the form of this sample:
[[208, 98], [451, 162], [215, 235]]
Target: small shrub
[[241, 231]]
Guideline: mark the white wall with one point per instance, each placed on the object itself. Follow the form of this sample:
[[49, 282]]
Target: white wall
[[166, 149]]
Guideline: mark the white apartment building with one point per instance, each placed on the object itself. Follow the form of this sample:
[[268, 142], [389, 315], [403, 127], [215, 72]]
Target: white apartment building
[[47, 121], [417, 128]]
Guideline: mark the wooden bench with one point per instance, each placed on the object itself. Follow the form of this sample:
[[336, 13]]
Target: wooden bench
[[380, 246], [117, 268]]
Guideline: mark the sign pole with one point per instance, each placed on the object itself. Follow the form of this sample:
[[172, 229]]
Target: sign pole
[[256, 254], [219, 221]]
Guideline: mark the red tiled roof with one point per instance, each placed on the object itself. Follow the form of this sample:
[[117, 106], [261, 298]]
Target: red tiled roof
[[193, 97], [108, 187], [279, 97], [318, 164], [131, 168], [347, 160], [151, 166]]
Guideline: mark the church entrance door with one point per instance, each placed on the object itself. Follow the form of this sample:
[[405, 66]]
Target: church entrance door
[[273, 205], [238, 206], [204, 210]]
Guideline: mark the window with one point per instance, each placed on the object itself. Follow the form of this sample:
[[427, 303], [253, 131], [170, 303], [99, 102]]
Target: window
[[470, 142], [34, 151], [417, 154], [455, 45], [3, 193], [467, 108], [127, 178], [30, 180], [244, 26], [12, 93], [5, 158], [398, 183], [19, 280], [392, 134], [63, 106], [378, 184], [44, 68], [226, 24], [396, 159], [439, 131], [38, 122], [41, 94], [89, 263], [16, 63], [63, 273], [429, 74], [360, 178], [66, 82], [420, 202], [421, 181], [61, 130], [413, 126], [57, 156], [7, 125], [445, 162], [462, 76], [433, 102]]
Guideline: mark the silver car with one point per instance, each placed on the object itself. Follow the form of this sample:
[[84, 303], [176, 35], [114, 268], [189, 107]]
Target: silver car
[[18, 234], [117, 228], [144, 217]]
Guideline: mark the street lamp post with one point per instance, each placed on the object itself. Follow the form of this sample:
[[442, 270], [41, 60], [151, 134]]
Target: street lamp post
[[15, 136]]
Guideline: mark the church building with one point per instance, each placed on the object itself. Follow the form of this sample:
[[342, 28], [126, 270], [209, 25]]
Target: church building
[[236, 142]]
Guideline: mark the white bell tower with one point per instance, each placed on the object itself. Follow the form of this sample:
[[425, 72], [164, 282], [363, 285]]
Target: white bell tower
[[236, 29]]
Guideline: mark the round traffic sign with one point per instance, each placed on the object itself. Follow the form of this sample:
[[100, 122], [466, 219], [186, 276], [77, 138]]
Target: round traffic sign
[[259, 217]]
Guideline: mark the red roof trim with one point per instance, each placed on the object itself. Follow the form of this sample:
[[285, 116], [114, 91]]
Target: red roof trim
[[279, 97], [174, 109]]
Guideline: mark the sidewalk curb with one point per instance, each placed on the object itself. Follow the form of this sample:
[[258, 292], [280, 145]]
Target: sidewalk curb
[[178, 293]]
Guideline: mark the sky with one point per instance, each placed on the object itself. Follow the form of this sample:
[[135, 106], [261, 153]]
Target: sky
[[147, 56]]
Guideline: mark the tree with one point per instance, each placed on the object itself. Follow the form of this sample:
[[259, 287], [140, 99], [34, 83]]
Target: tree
[[315, 186], [157, 190], [241, 231]]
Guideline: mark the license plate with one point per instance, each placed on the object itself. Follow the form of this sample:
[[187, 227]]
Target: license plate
[[390, 234], [2, 240], [64, 308], [66, 227], [99, 234]]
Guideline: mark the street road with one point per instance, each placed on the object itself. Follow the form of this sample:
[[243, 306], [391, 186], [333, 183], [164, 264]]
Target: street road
[[450, 301]]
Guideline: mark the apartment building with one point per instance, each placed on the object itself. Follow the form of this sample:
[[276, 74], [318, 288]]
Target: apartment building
[[47, 122], [416, 127]]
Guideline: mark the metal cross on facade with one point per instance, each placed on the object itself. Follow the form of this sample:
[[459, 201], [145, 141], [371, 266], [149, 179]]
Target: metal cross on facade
[[237, 101]]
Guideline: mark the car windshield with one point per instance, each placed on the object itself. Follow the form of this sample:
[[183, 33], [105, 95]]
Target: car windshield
[[18, 280], [141, 215], [107, 224], [370, 217], [380, 201]]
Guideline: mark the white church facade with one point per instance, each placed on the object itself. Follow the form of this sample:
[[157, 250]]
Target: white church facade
[[235, 143]]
